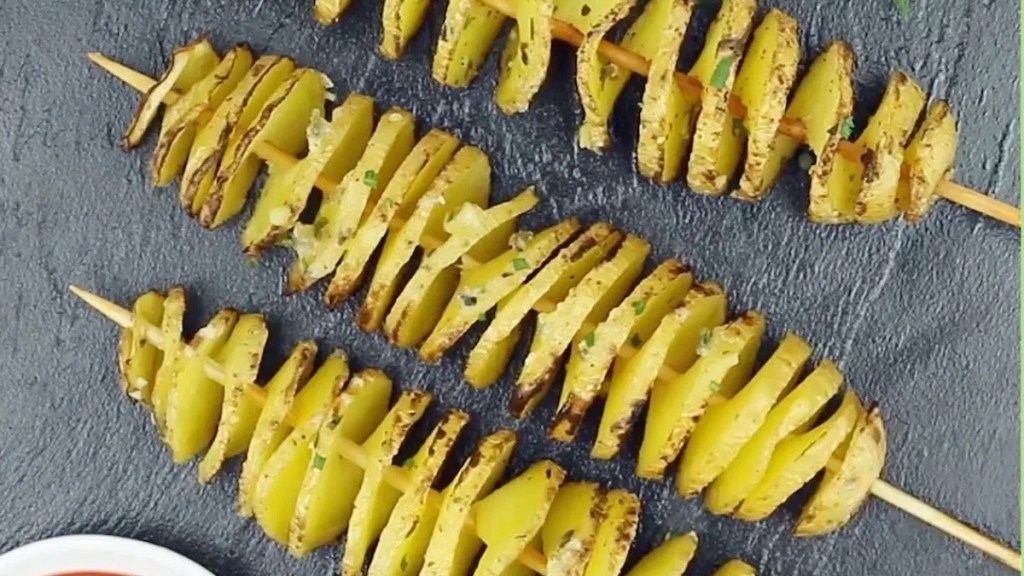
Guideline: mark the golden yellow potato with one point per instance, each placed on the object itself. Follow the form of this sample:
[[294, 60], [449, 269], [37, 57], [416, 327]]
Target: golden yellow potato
[[270, 427], [222, 134], [377, 499], [240, 360], [482, 287], [847, 484], [763, 85], [194, 400], [174, 345], [139, 360], [632, 320], [404, 539], [525, 58], [329, 488], [716, 146], [929, 160], [887, 133], [334, 148], [799, 458], [735, 568], [453, 547], [724, 429], [328, 11], [570, 530], [674, 343], [615, 537], [189, 64], [489, 358], [588, 302], [181, 119], [469, 30], [400, 21], [473, 231], [407, 186], [671, 558], [666, 116], [318, 246], [282, 123], [725, 363], [466, 178], [792, 414], [509, 518]]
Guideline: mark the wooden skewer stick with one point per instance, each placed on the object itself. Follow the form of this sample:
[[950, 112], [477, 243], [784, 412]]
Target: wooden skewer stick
[[792, 127], [396, 476], [881, 489]]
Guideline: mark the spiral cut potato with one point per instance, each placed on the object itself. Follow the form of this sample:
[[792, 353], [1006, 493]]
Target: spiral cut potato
[[448, 261], [725, 118], [319, 446]]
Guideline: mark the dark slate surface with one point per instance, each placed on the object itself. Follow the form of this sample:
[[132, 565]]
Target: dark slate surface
[[922, 319]]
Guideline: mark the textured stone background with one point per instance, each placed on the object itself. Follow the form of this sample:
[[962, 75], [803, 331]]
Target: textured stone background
[[922, 319]]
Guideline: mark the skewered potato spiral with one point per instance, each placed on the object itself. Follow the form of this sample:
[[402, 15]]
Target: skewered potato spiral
[[746, 434], [320, 443], [728, 112]]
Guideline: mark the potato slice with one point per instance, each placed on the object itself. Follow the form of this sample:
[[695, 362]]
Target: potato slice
[[377, 499], [674, 343], [599, 82], [525, 58], [331, 483], [327, 12], [189, 64], [318, 246], [138, 358], [929, 160], [589, 302], [469, 30], [174, 345], [334, 148], [671, 558], [845, 487], [223, 131], [183, 118], [735, 568], [405, 537], [508, 519], [467, 178], [194, 400], [726, 360], [473, 231], [615, 537], [482, 287], [872, 180], [407, 186], [763, 85], [282, 123], [400, 21], [453, 547], [822, 101], [794, 412], [570, 530], [240, 360], [666, 115], [631, 321], [270, 427], [717, 147], [724, 429], [489, 358], [799, 458]]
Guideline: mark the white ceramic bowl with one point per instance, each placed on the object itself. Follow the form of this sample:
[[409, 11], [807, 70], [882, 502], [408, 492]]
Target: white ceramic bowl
[[98, 554]]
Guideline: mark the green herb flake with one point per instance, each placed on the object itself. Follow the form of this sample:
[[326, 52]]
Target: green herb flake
[[520, 264], [408, 463], [639, 306], [904, 8], [721, 74], [738, 129], [319, 461], [370, 179], [589, 340], [846, 128], [636, 341], [703, 341], [252, 261], [715, 386], [806, 160], [482, 317]]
